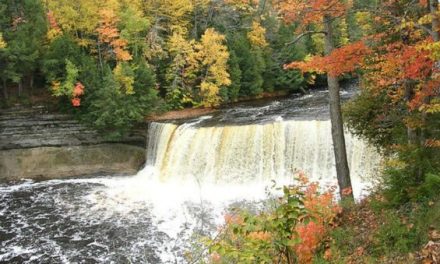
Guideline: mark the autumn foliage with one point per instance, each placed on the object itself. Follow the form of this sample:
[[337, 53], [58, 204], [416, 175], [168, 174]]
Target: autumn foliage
[[78, 90], [340, 61], [310, 11], [397, 55], [109, 33], [291, 232], [55, 29]]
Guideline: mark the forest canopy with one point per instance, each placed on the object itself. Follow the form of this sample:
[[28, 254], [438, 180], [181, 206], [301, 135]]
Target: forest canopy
[[116, 61]]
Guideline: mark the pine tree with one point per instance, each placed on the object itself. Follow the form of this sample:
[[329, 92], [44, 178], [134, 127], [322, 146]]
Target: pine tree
[[251, 63], [232, 92]]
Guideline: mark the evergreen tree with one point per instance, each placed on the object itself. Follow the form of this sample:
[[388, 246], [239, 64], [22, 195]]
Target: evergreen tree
[[283, 53], [115, 111], [59, 50], [232, 92], [251, 63], [24, 28]]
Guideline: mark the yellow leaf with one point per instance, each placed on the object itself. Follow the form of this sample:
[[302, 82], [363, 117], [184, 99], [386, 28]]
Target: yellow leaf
[[2, 42], [257, 35]]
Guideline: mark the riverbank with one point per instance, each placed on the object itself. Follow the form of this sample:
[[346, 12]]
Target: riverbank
[[188, 113], [37, 142], [181, 114]]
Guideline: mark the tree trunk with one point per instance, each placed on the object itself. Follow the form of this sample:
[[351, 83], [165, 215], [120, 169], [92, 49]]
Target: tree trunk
[[435, 23], [20, 88], [5, 90], [411, 132], [342, 170], [31, 85], [100, 58], [195, 21]]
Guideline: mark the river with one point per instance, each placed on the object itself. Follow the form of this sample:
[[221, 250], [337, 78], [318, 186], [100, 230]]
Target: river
[[195, 170]]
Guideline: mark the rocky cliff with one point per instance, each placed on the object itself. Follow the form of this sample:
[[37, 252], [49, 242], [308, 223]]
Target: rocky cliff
[[38, 144]]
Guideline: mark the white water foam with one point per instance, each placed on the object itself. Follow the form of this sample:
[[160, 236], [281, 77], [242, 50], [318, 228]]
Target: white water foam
[[193, 175]]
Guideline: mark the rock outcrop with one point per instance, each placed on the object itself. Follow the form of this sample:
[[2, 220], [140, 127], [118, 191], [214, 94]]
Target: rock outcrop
[[40, 145], [68, 161], [29, 128]]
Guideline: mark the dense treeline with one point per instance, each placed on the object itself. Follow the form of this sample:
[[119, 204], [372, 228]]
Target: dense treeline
[[116, 61], [396, 56], [113, 62]]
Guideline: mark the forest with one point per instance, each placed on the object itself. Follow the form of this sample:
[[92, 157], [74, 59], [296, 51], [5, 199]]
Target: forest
[[112, 63], [116, 61]]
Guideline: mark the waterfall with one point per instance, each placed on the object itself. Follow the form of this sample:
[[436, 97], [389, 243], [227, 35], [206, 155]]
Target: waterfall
[[194, 174], [241, 154]]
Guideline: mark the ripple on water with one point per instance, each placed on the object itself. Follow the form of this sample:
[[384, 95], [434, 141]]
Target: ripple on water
[[51, 222], [107, 220]]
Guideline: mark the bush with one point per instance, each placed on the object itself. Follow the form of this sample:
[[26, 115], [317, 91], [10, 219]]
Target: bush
[[412, 165], [373, 232], [290, 232]]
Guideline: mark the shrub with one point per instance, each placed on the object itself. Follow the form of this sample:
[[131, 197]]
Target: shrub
[[290, 232]]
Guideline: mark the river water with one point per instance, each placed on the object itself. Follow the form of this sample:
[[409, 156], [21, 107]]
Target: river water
[[195, 170]]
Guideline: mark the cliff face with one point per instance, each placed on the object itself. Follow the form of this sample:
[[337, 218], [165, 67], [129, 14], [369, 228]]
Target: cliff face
[[69, 161], [35, 144]]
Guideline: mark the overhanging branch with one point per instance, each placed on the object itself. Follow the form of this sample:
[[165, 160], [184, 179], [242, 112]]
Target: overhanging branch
[[303, 35]]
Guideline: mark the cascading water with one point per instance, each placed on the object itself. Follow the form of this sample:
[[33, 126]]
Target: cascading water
[[255, 153], [194, 172]]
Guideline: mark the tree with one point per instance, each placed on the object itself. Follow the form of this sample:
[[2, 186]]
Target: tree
[[23, 26], [257, 35], [251, 63], [200, 64], [109, 33], [324, 12], [398, 108], [134, 27], [79, 19], [172, 16], [181, 72], [281, 54], [61, 49], [66, 88], [124, 75], [115, 112], [213, 56], [232, 92], [200, 17]]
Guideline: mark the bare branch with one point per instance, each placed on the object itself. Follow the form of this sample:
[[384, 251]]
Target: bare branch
[[303, 35]]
